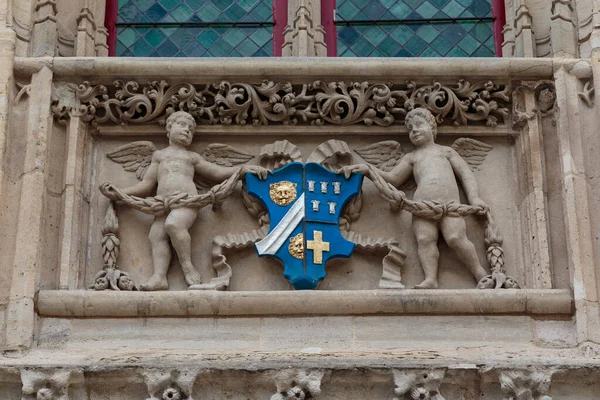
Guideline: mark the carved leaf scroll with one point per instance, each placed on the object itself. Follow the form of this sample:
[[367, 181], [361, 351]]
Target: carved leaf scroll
[[317, 103]]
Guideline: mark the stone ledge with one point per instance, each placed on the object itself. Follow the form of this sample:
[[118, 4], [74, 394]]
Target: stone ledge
[[293, 69], [87, 303]]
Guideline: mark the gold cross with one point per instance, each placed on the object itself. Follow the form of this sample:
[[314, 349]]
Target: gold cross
[[318, 246]]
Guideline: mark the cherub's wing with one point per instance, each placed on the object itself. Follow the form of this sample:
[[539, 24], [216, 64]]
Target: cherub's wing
[[472, 151], [220, 154], [135, 156], [225, 155], [383, 155]]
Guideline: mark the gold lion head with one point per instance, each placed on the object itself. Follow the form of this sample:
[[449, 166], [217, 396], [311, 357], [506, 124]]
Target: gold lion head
[[296, 246], [282, 193]]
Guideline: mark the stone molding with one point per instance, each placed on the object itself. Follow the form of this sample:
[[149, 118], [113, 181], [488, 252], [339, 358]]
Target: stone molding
[[105, 70], [317, 103], [82, 303]]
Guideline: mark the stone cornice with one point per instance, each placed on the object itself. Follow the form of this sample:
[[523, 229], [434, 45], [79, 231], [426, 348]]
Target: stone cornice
[[113, 304], [104, 70]]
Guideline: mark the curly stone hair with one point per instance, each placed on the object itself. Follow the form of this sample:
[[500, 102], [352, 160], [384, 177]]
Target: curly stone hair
[[426, 115], [173, 117]]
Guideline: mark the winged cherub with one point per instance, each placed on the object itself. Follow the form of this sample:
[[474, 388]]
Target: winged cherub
[[172, 170], [435, 169]]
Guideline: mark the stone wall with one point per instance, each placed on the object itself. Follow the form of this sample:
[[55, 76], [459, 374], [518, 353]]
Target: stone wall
[[64, 109]]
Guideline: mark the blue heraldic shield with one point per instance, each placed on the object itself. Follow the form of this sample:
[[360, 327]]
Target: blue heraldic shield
[[304, 202]]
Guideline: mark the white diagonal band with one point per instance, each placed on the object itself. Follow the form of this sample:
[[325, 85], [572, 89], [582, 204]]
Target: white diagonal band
[[277, 237]]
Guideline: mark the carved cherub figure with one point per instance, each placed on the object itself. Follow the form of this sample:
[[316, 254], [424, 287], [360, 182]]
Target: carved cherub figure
[[435, 169], [171, 171]]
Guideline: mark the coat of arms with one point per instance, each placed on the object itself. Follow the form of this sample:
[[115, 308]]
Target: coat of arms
[[304, 202]]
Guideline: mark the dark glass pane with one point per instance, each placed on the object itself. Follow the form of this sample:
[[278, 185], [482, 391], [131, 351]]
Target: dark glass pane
[[433, 34], [178, 29]]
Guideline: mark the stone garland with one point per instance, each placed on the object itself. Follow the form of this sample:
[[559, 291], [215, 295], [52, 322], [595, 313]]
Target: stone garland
[[316, 103]]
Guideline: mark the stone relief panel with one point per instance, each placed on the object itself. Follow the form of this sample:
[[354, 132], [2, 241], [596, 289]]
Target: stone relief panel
[[228, 243]]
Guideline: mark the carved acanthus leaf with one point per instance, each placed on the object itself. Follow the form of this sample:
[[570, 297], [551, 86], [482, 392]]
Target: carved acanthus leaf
[[317, 103], [418, 384], [526, 385], [298, 385]]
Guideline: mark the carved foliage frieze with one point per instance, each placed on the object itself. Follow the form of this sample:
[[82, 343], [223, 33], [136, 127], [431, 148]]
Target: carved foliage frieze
[[316, 103]]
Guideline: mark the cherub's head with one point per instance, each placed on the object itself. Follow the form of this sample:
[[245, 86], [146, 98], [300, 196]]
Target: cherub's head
[[180, 128], [421, 125]]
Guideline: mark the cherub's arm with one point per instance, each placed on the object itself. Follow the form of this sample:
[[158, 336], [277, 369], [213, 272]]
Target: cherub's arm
[[211, 171], [148, 183], [466, 176], [400, 173]]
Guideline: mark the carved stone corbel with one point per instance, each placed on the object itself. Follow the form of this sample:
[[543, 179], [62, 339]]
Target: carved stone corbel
[[64, 101], [170, 384], [526, 384], [298, 385], [48, 384], [523, 111], [583, 71], [418, 384]]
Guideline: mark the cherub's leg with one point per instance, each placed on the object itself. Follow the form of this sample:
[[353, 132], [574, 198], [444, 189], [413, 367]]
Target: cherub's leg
[[454, 231], [427, 232], [177, 225], [161, 256]]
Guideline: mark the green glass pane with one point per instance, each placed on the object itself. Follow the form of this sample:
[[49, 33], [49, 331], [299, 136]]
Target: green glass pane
[[169, 4], [429, 52], [141, 48], [347, 10], [155, 37], [482, 31], [469, 44], [362, 47], [415, 45], [181, 37], [247, 48], [483, 51], [456, 52], [375, 35], [248, 4], [439, 3], [400, 10], [465, 3], [234, 37], [442, 44], [402, 33], [389, 47], [182, 13], [221, 4], [127, 36], [221, 48], [195, 4], [261, 36], [207, 37], [427, 10], [453, 9], [235, 12], [208, 13], [428, 33]]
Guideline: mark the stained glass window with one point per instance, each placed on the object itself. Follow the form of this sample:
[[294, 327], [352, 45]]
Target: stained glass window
[[195, 28], [415, 28]]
